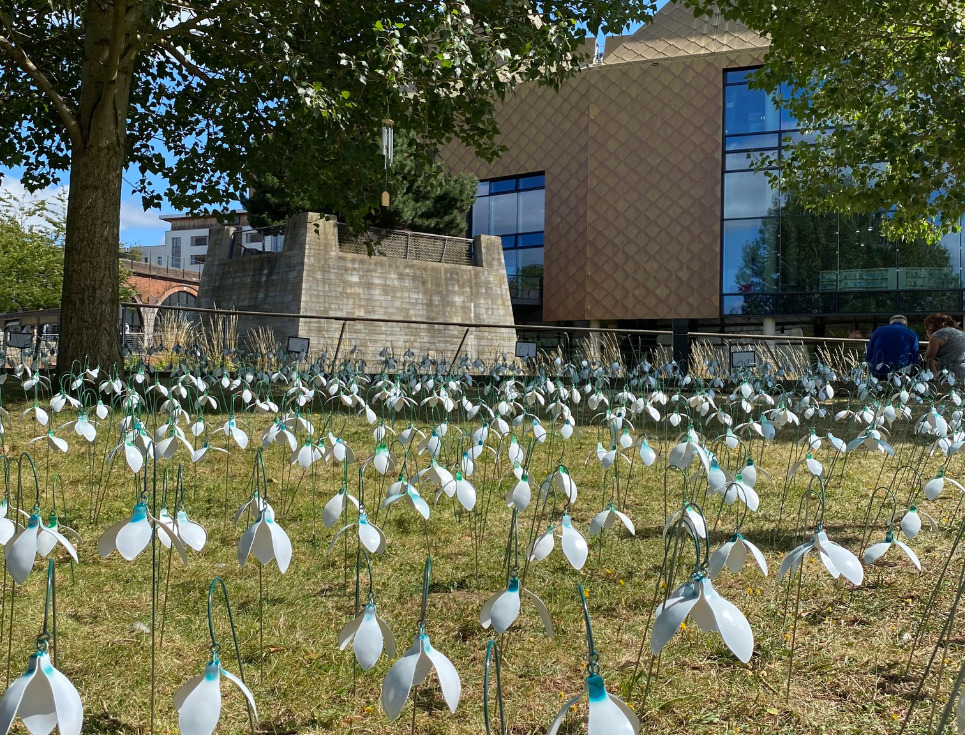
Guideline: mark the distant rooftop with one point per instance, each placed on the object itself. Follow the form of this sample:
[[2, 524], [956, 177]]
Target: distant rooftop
[[675, 32], [178, 216]]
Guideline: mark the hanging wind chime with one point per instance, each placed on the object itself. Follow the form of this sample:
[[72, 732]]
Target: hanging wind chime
[[388, 152]]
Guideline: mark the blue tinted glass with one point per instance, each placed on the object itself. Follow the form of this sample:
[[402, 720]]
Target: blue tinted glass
[[530, 240], [809, 252], [509, 241], [532, 182], [788, 121], [750, 259], [736, 76], [744, 142], [733, 305], [797, 137], [532, 210], [749, 194], [509, 256], [482, 188], [530, 262], [496, 187], [740, 161], [480, 217], [504, 214], [749, 111]]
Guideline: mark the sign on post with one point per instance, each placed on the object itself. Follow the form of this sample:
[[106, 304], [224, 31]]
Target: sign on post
[[298, 345], [526, 349]]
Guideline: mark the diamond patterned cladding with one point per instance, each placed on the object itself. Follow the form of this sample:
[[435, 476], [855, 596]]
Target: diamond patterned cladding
[[547, 131], [675, 32], [653, 249], [632, 160]]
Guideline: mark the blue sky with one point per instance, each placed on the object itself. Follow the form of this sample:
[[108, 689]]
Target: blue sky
[[138, 226]]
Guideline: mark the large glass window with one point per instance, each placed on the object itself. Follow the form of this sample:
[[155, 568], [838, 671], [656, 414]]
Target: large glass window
[[778, 258], [749, 194], [515, 210], [175, 252], [748, 111]]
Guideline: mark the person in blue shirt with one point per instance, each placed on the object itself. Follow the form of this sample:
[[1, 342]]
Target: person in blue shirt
[[892, 347]]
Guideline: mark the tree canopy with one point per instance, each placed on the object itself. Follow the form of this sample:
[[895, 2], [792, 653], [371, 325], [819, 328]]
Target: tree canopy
[[424, 194], [32, 254], [878, 89], [187, 96], [31, 262]]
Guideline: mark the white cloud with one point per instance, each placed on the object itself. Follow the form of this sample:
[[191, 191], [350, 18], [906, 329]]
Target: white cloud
[[134, 216], [15, 189], [136, 222]]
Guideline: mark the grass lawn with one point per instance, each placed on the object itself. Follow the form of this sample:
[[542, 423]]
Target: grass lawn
[[851, 644]]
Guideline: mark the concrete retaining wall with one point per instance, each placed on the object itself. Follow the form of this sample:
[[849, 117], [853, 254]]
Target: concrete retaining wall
[[311, 276]]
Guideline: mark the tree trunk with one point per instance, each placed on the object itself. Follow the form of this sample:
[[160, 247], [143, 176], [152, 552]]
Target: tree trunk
[[89, 308]]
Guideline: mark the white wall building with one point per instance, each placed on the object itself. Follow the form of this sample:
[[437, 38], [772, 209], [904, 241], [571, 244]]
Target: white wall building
[[186, 243]]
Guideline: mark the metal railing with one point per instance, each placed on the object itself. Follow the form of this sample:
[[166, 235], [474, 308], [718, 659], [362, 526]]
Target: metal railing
[[629, 346], [257, 241], [405, 245], [526, 288], [168, 267]]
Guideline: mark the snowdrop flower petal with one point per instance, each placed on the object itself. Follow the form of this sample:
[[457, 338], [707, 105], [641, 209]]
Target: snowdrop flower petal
[[198, 702], [911, 523], [45, 699], [398, 682], [671, 614], [520, 495], [934, 487], [502, 609], [267, 540], [448, 676], [190, 532], [465, 492], [541, 547], [49, 536], [843, 560], [607, 717], [574, 545], [561, 715], [729, 620], [794, 559], [368, 635], [647, 455], [564, 483], [335, 507], [874, 552], [21, 550], [515, 453], [371, 537], [55, 442]]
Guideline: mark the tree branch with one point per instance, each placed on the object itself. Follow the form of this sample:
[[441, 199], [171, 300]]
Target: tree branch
[[184, 60], [117, 38], [17, 55], [186, 26]]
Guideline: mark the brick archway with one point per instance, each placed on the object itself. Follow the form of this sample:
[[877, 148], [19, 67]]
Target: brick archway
[[149, 315]]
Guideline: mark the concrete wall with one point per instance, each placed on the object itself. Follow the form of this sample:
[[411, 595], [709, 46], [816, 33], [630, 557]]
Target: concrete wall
[[311, 276]]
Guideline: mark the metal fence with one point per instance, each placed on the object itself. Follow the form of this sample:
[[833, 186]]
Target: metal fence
[[526, 288], [406, 245], [257, 241], [215, 332]]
